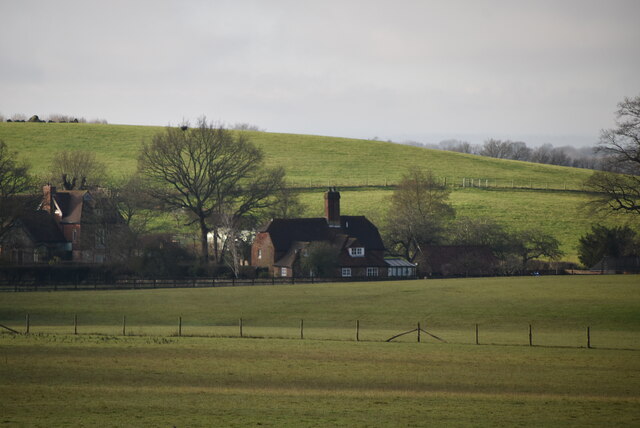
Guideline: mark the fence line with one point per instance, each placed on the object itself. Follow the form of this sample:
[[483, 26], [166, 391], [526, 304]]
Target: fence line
[[22, 285], [241, 333], [459, 182]]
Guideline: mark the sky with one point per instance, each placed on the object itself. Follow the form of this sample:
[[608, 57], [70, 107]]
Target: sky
[[425, 71]]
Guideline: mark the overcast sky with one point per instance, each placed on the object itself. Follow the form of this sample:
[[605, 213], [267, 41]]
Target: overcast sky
[[538, 71]]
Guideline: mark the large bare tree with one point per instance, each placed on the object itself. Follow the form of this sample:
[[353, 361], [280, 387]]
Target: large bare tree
[[419, 213], [621, 191], [210, 172]]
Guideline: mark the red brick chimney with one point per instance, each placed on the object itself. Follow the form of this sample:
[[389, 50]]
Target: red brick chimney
[[332, 207], [47, 198]]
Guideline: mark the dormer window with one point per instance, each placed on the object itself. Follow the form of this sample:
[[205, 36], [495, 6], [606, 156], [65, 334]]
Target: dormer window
[[356, 252]]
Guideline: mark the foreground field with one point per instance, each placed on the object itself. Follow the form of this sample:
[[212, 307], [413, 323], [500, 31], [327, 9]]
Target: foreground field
[[99, 377], [86, 381]]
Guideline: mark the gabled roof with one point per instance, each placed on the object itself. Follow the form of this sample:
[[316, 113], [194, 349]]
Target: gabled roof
[[42, 227], [284, 232], [353, 230], [70, 204]]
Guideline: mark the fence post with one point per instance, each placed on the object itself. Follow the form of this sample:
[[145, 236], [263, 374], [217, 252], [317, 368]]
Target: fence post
[[124, 325], [75, 324], [241, 327], [588, 337], [180, 327], [301, 329], [530, 336], [357, 330], [27, 322], [418, 332], [477, 342]]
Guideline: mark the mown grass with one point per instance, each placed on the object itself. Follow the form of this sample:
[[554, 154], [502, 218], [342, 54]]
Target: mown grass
[[57, 381], [559, 307], [55, 378]]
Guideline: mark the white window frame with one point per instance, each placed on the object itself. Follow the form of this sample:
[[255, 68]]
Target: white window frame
[[346, 272], [356, 252], [372, 271], [259, 253], [283, 271]]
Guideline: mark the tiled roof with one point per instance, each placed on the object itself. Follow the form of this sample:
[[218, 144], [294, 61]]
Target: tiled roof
[[42, 227]]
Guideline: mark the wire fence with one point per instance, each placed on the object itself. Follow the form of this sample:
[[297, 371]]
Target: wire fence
[[455, 182], [479, 334]]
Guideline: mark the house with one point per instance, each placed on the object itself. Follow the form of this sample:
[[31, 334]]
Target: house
[[282, 245], [89, 221], [80, 226], [456, 260], [34, 238]]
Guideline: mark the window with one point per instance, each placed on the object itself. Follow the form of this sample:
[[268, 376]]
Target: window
[[346, 272], [372, 271], [356, 252], [259, 254], [101, 237], [283, 271], [74, 235]]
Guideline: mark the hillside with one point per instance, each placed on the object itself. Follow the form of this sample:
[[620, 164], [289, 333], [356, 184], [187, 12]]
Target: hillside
[[316, 162], [311, 161]]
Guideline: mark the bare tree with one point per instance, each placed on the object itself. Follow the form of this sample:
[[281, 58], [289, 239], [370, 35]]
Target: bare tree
[[621, 145], [418, 214], [14, 180], [77, 169], [210, 172]]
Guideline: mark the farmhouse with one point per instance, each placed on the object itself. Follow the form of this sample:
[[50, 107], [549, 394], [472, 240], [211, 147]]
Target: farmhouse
[[73, 225], [353, 243]]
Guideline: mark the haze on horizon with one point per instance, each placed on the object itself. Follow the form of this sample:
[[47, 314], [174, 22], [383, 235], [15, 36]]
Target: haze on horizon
[[543, 71]]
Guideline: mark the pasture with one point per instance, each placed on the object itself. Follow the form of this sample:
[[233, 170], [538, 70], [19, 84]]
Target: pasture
[[211, 377]]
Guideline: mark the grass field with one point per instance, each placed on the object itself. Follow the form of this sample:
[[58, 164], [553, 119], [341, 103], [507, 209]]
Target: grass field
[[308, 159], [60, 379]]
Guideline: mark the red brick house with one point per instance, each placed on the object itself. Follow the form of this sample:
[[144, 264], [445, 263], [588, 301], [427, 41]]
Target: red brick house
[[89, 221], [282, 244], [80, 226]]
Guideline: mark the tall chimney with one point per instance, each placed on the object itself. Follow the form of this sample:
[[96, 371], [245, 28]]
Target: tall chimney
[[47, 198], [332, 207]]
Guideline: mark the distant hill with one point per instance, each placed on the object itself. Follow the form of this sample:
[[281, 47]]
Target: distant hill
[[310, 160]]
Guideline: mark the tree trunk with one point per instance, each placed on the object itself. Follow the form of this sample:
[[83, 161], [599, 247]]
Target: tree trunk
[[204, 244]]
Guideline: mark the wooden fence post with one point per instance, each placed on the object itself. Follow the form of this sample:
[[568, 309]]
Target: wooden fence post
[[240, 327], [588, 337], [27, 322], [477, 342], [124, 325], [357, 330], [180, 327], [418, 332], [301, 329], [75, 324], [530, 336]]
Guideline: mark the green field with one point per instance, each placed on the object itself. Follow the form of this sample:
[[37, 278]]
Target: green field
[[154, 378], [314, 161]]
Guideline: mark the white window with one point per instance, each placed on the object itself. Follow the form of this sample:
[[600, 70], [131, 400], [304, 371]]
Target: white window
[[372, 271], [356, 252], [346, 272], [259, 254], [283, 271]]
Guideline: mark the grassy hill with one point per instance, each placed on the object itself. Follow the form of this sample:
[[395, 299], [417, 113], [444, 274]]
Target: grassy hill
[[309, 160], [519, 194]]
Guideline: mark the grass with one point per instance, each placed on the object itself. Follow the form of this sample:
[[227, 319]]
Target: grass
[[309, 159], [54, 378]]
